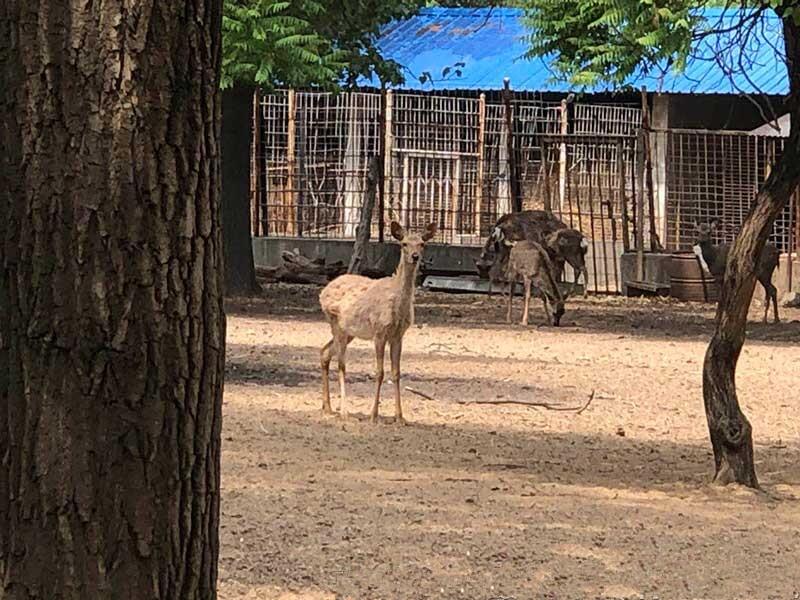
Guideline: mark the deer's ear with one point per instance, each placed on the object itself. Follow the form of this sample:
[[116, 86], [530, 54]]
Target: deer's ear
[[397, 230], [430, 231]]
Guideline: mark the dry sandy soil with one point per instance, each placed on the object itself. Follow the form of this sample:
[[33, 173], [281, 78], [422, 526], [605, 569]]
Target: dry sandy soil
[[481, 502]]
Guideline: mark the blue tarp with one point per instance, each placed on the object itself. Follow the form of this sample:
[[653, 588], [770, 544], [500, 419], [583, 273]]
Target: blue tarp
[[490, 44]]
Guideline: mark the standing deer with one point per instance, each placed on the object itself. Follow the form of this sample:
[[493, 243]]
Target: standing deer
[[380, 310], [715, 259], [563, 245], [531, 262]]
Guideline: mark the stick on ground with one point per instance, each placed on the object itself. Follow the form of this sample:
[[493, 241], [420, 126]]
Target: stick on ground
[[576, 409]]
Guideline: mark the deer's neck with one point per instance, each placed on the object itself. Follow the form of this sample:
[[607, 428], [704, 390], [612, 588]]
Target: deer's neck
[[405, 277]]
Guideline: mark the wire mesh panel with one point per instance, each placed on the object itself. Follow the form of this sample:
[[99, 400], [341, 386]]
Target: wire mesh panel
[[446, 158], [606, 119], [717, 175], [433, 165], [315, 148], [596, 194]]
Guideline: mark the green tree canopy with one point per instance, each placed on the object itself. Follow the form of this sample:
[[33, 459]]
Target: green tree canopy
[[595, 41], [308, 42]]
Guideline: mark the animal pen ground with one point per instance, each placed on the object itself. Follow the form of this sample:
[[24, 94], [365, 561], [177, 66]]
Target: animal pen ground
[[505, 501]]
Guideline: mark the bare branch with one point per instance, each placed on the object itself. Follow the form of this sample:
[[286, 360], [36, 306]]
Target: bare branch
[[554, 407]]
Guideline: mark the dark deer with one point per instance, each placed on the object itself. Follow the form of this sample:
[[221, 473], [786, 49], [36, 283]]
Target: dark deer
[[561, 243], [714, 259]]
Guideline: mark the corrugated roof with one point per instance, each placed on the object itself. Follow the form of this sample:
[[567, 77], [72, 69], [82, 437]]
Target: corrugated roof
[[490, 42]]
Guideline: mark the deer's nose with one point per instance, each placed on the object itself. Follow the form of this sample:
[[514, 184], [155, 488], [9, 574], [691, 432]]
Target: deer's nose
[[415, 256]]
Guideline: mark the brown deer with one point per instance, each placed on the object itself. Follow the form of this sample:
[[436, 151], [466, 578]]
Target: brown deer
[[530, 261], [380, 310]]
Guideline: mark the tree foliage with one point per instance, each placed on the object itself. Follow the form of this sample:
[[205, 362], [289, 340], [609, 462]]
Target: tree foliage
[[274, 41], [308, 42], [594, 41]]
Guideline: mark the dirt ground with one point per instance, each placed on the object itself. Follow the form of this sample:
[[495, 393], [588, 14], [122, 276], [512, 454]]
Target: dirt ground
[[489, 502]]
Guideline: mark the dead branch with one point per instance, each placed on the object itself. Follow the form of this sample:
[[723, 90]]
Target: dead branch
[[576, 409]]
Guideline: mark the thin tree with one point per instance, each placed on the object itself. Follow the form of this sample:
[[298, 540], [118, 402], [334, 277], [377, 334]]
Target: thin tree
[[111, 318], [612, 40]]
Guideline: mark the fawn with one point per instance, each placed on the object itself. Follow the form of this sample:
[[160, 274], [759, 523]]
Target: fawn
[[380, 310], [531, 262]]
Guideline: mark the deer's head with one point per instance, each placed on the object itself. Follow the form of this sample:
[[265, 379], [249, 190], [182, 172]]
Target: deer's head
[[704, 232], [412, 244]]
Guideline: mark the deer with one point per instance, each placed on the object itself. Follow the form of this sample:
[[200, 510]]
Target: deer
[[531, 262], [714, 260], [380, 310], [561, 243]]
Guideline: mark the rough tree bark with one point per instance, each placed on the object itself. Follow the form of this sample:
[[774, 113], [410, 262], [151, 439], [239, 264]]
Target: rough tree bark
[[111, 321], [729, 429], [359, 257], [240, 270]]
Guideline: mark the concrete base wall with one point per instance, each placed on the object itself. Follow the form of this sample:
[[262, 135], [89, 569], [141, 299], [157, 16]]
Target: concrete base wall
[[444, 259], [383, 256], [781, 278]]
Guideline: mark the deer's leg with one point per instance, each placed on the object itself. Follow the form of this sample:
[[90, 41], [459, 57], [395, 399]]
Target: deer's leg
[[775, 303], [527, 283], [512, 282], [585, 282], [396, 348], [341, 355], [325, 362], [772, 296], [546, 302], [380, 349]]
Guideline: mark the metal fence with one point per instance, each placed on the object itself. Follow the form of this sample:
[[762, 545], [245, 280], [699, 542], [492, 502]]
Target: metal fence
[[447, 159], [716, 175]]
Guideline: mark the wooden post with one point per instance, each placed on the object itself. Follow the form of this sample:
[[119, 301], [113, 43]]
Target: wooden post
[[481, 148], [626, 242], [255, 166], [513, 175], [790, 247], [291, 157], [386, 191], [548, 204], [404, 208], [562, 157], [456, 207], [655, 243], [640, 166], [358, 259]]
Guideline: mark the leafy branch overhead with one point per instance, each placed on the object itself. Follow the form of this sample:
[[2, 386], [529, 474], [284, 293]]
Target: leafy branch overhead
[[308, 42], [610, 41], [269, 41]]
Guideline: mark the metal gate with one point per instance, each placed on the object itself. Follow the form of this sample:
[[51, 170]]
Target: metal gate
[[589, 182]]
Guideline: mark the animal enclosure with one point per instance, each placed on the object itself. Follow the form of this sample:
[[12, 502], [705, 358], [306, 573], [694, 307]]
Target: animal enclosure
[[462, 160], [448, 158], [717, 175]]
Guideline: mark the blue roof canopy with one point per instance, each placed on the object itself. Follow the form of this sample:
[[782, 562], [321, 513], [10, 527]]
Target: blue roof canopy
[[490, 43]]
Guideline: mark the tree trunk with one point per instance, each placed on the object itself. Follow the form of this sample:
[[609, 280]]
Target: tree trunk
[[111, 322], [359, 256], [237, 114], [730, 431]]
